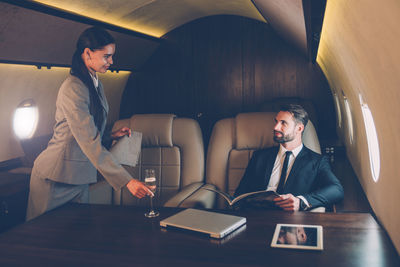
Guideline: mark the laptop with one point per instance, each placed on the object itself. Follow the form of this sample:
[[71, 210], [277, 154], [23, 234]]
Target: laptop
[[217, 225]]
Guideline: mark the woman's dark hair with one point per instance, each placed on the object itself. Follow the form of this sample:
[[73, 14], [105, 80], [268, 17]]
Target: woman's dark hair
[[93, 38]]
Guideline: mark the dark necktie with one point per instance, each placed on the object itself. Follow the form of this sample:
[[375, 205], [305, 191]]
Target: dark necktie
[[279, 190]]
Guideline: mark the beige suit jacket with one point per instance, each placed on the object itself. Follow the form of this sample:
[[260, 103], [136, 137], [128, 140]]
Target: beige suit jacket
[[75, 151]]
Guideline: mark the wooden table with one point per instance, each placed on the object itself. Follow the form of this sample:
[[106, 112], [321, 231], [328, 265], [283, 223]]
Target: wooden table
[[100, 235]]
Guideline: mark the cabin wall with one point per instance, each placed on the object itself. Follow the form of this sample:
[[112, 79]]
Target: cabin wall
[[20, 82], [359, 54], [218, 66]]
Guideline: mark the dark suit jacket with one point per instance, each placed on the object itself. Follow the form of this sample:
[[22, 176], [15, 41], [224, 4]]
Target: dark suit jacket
[[310, 176]]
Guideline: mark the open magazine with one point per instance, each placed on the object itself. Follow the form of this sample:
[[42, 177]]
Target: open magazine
[[127, 149], [263, 195]]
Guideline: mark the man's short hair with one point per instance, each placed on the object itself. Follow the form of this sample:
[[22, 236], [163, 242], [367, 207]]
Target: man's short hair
[[311, 234], [299, 113]]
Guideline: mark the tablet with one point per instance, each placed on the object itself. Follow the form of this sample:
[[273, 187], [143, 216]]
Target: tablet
[[298, 236]]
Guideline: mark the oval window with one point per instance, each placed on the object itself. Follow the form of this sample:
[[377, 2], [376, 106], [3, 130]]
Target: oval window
[[372, 140], [349, 119], [25, 119], [338, 111]]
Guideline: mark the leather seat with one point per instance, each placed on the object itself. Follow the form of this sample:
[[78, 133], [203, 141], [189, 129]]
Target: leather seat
[[174, 148]]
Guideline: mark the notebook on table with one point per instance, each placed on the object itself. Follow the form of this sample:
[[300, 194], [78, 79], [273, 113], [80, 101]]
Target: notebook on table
[[217, 225]]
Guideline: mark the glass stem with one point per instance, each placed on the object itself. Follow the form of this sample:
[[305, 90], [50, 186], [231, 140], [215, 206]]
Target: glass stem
[[151, 205]]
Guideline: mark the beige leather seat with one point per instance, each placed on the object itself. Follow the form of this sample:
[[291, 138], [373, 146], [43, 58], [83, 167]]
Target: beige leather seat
[[173, 147], [232, 143]]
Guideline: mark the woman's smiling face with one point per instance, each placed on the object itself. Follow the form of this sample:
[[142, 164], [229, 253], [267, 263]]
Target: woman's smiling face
[[99, 60]]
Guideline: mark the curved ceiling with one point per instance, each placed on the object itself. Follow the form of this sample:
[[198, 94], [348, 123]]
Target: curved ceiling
[[294, 20], [154, 17]]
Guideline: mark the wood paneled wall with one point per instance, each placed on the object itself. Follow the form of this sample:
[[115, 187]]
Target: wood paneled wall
[[218, 66]]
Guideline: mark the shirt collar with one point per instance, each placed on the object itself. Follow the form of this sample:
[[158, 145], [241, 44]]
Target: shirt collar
[[295, 151], [95, 79]]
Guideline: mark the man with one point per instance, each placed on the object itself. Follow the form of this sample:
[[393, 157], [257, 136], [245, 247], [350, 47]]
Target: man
[[302, 177]]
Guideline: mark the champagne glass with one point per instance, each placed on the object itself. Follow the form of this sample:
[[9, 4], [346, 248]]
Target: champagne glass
[[151, 182]]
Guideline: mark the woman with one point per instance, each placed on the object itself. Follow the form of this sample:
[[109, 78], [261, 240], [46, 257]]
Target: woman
[[63, 171]]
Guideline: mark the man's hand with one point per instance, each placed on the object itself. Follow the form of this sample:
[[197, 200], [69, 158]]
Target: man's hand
[[288, 202], [138, 189], [121, 132]]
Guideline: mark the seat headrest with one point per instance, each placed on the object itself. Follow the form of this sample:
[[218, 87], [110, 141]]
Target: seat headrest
[[156, 128], [254, 130]]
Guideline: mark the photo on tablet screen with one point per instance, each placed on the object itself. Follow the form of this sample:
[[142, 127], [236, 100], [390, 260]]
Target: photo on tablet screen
[[298, 236]]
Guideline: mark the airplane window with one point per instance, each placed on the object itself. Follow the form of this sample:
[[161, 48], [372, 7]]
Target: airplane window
[[372, 140], [338, 111], [25, 120], [349, 119]]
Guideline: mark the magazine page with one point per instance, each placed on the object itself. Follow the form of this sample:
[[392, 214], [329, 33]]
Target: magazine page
[[257, 196]]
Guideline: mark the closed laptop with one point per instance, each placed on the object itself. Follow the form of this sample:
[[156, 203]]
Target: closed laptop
[[217, 225]]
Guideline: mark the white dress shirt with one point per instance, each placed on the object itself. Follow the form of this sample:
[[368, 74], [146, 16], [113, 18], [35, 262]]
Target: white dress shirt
[[277, 169], [95, 80]]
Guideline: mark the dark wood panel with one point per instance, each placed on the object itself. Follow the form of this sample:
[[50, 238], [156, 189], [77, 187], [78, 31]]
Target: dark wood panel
[[218, 66]]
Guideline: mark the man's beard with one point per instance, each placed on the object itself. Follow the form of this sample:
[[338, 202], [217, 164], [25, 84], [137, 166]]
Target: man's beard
[[283, 138]]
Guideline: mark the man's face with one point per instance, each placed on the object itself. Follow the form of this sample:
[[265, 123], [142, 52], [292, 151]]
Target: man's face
[[287, 237], [292, 236], [285, 129]]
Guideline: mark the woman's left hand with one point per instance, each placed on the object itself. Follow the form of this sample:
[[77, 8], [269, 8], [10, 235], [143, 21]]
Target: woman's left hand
[[121, 132]]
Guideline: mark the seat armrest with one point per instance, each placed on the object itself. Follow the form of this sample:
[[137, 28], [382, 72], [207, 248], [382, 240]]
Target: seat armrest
[[186, 192], [319, 209], [22, 170], [194, 196], [202, 198]]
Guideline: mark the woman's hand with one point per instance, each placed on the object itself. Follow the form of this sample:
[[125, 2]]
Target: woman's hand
[[138, 189], [121, 132]]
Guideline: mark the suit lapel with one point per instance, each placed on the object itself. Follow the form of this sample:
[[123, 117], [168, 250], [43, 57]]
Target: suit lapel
[[269, 165], [297, 165], [104, 105], [102, 96]]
